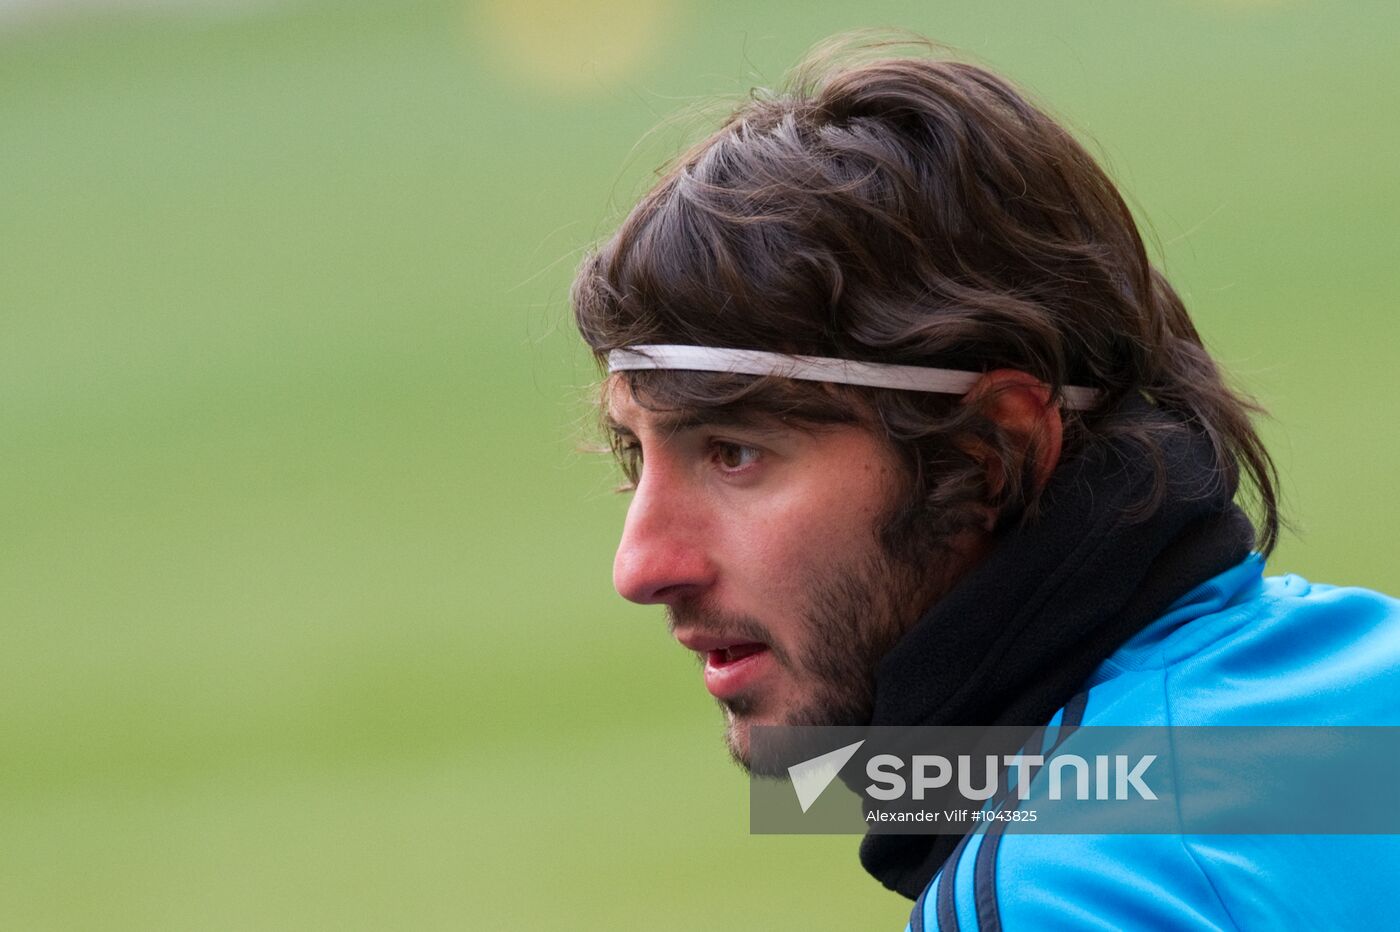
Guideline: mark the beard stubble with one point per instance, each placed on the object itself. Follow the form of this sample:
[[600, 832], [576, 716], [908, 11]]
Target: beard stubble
[[853, 616]]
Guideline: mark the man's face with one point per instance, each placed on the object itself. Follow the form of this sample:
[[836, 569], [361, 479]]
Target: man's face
[[762, 543]]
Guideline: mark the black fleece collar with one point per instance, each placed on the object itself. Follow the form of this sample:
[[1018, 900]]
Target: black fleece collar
[[1021, 633]]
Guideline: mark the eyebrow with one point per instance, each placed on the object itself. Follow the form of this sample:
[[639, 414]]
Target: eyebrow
[[694, 420]]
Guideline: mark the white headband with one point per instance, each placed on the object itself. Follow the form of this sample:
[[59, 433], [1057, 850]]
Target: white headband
[[815, 369]]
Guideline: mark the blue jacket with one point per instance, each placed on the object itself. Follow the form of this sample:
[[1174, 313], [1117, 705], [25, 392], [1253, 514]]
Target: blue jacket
[[1237, 650]]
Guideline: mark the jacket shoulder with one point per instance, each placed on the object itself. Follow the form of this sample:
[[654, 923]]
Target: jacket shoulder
[[1295, 653], [1246, 650]]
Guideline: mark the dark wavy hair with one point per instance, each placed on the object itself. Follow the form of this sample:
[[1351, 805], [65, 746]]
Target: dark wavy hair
[[917, 211]]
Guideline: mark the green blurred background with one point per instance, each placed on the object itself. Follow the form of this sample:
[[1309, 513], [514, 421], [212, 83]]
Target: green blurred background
[[305, 589]]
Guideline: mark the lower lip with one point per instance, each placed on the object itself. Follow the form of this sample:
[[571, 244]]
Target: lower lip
[[727, 680]]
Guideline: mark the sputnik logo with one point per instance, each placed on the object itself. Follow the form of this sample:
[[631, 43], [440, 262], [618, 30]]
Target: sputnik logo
[[811, 777]]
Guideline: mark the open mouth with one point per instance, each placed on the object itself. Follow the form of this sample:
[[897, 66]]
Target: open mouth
[[738, 669], [733, 654], [732, 667]]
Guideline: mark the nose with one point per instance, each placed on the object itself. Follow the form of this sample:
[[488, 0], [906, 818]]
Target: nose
[[662, 557]]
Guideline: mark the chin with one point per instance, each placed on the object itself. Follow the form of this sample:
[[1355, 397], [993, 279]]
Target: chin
[[776, 751], [737, 738]]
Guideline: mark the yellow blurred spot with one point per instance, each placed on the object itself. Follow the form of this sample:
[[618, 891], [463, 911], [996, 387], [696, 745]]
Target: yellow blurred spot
[[571, 46]]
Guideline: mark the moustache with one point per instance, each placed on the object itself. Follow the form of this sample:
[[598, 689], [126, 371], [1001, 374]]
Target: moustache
[[700, 620]]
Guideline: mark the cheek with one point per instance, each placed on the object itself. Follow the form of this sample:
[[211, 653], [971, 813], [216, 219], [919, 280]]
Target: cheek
[[804, 536], [823, 518]]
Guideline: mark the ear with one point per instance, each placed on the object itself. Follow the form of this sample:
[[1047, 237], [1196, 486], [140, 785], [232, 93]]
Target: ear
[[1020, 404]]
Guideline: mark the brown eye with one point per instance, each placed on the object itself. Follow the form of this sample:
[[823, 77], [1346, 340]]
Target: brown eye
[[734, 456]]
